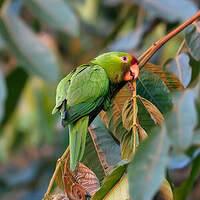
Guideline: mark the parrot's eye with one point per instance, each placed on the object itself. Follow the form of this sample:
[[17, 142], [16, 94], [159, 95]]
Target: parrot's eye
[[124, 59]]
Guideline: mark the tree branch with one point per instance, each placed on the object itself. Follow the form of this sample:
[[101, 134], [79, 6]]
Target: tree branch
[[143, 59], [56, 172]]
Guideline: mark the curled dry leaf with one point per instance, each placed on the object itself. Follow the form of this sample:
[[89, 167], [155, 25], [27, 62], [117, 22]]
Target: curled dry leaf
[[127, 114], [171, 81], [126, 143], [59, 176], [153, 110], [112, 117], [141, 134], [165, 192], [120, 190], [80, 183], [58, 196], [127, 147]]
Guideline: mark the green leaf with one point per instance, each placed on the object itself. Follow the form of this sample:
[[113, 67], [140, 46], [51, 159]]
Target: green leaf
[[44, 119], [169, 9], [181, 122], [120, 190], [15, 82], [3, 95], [147, 170], [144, 117], [111, 180], [152, 88], [180, 67], [156, 115], [197, 103], [196, 137], [32, 54], [102, 151], [170, 80], [57, 14], [192, 37], [183, 191], [195, 69], [129, 41]]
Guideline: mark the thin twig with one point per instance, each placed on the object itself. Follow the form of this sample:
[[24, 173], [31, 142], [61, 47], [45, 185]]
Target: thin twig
[[181, 47], [56, 172], [140, 17], [152, 50], [134, 116]]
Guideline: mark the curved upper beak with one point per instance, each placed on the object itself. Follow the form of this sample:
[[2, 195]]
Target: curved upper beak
[[133, 73]]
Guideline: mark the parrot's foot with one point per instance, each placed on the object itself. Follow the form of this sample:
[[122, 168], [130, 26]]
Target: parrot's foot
[[131, 88]]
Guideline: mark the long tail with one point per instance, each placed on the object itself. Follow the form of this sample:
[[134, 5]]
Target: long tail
[[77, 135]]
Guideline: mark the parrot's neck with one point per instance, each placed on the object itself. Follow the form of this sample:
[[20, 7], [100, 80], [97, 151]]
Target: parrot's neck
[[115, 88], [113, 70]]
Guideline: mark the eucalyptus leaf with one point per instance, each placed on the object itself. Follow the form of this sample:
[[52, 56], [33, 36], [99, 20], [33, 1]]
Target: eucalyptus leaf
[[101, 152], [195, 69], [192, 37], [129, 41], [111, 181], [15, 83], [3, 94], [32, 54], [152, 88], [147, 170], [170, 80], [120, 191], [144, 117], [181, 68], [57, 14], [182, 192], [169, 9], [156, 115], [182, 120]]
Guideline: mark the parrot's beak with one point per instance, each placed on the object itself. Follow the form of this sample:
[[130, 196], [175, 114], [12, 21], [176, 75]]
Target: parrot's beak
[[133, 73]]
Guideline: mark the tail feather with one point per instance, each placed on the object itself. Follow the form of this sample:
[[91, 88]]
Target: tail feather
[[77, 135]]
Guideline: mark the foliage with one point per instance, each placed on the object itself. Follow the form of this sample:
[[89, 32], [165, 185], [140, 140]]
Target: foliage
[[40, 41]]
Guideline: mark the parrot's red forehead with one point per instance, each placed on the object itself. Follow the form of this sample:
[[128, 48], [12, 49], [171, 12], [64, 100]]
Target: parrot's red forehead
[[134, 60]]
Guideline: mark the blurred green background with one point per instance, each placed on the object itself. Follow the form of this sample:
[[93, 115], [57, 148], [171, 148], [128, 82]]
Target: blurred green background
[[40, 42]]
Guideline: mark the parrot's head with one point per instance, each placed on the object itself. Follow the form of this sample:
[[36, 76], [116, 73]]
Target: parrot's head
[[119, 66]]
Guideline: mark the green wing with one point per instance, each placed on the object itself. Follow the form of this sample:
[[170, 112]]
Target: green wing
[[61, 91], [87, 90]]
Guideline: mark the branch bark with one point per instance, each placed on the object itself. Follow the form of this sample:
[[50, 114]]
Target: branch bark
[[143, 59]]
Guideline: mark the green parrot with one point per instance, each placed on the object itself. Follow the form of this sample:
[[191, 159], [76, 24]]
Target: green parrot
[[84, 92]]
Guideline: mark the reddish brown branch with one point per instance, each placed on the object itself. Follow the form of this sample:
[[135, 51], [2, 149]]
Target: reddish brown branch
[[152, 50]]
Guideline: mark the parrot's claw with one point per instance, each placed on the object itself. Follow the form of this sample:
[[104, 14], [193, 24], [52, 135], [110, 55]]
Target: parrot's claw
[[131, 88]]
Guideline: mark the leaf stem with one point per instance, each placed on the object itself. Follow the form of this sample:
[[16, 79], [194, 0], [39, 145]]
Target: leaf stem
[[181, 47], [143, 59], [59, 161], [134, 116]]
